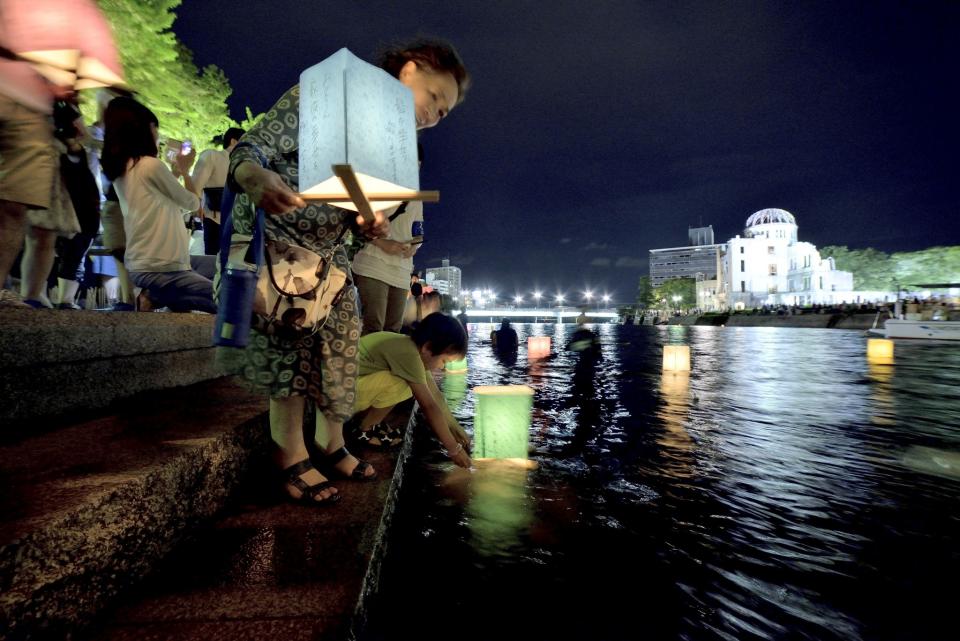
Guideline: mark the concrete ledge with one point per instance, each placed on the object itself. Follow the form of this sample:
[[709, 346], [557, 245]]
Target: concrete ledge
[[91, 509], [34, 337], [57, 388], [758, 320]]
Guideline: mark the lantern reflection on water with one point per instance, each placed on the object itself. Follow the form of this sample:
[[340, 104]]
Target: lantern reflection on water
[[538, 347], [676, 358], [455, 389], [502, 422]]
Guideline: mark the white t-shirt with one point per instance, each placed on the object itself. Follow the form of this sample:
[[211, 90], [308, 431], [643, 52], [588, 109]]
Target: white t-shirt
[[153, 203], [373, 262], [211, 171]]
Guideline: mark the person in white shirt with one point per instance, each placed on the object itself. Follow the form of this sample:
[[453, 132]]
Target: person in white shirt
[[209, 176], [153, 204], [381, 269]]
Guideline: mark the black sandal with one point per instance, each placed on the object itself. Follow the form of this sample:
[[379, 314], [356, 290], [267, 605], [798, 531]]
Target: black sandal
[[308, 493], [388, 437], [359, 472]]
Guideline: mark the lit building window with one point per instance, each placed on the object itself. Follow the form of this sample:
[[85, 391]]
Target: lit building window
[[771, 249], [773, 270]]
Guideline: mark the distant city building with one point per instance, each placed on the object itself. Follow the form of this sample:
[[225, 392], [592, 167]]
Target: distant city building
[[684, 262], [700, 235], [445, 279]]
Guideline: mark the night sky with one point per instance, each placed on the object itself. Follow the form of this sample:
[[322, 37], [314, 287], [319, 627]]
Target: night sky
[[596, 131]]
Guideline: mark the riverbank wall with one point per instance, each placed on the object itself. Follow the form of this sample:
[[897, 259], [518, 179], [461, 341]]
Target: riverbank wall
[[816, 321]]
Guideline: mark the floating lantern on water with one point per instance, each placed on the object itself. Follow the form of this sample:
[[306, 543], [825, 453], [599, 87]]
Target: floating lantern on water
[[880, 351], [676, 358], [456, 367], [502, 422], [538, 347], [358, 138]]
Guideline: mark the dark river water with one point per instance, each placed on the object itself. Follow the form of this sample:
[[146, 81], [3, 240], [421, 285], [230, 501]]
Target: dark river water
[[786, 489]]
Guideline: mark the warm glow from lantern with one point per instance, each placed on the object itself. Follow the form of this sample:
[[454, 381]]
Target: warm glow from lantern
[[676, 358], [880, 351], [502, 421], [538, 347]]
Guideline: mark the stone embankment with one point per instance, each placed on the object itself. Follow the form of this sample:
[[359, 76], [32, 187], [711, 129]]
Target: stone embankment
[[821, 321]]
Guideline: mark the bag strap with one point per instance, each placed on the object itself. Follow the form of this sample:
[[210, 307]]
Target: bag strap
[[255, 251], [402, 208]]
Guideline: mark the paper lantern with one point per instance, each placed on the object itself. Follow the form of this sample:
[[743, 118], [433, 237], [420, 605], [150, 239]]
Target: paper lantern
[[502, 421], [456, 367], [68, 41], [880, 351], [676, 358], [355, 114], [538, 347]]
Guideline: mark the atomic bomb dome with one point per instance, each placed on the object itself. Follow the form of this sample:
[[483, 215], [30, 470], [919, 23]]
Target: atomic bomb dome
[[767, 216]]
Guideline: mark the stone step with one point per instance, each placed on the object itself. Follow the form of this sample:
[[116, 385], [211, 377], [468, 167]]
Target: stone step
[[270, 569], [56, 362], [92, 507]]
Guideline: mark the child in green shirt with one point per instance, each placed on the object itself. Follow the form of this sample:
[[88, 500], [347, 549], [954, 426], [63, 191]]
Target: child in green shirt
[[394, 367]]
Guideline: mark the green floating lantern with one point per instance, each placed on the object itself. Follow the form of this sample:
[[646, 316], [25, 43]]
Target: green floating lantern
[[502, 422], [456, 367]]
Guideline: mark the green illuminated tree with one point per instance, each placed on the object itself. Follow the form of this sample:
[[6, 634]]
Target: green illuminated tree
[[933, 265], [189, 103], [685, 288], [872, 269], [645, 293]]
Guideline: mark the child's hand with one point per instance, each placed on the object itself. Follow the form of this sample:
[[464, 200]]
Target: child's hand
[[459, 456], [460, 435]]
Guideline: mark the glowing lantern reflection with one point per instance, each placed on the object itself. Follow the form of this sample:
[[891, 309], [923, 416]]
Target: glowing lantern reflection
[[502, 422], [880, 351], [676, 358], [538, 347], [455, 389]]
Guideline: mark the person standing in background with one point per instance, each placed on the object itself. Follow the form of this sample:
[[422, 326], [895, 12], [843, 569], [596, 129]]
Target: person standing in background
[[209, 176]]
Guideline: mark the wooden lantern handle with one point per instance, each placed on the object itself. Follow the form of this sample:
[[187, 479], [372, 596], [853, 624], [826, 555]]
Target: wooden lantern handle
[[361, 200]]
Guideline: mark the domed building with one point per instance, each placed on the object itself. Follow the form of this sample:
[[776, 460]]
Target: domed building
[[769, 266]]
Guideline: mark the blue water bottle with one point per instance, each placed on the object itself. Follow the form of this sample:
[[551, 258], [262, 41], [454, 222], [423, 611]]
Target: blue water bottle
[[238, 281], [238, 286]]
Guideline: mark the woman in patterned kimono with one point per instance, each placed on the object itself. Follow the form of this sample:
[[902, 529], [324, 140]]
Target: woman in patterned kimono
[[322, 367]]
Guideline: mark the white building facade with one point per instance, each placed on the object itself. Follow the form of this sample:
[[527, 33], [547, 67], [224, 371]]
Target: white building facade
[[445, 279], [768, 265]]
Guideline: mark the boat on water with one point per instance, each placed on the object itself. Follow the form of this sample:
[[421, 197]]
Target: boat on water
[[938, 330]]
